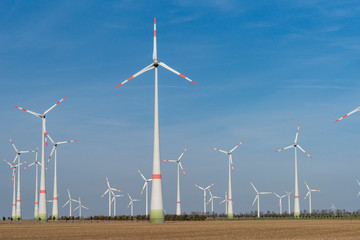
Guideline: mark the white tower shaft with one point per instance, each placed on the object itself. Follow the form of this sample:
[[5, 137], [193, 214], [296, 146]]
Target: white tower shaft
[[55, 208], [156, 209], [36, 208], [42, 200], [178, 207], [13, 213], [296, 195], [18, 198], [230, 207]]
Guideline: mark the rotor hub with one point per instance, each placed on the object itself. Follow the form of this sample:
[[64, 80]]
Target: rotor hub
[[156, 63]]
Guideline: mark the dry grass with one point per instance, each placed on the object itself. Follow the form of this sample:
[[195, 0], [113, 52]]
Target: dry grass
[[247, 229]]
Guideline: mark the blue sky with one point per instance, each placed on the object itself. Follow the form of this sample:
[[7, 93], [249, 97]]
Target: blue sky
[[262, 68]]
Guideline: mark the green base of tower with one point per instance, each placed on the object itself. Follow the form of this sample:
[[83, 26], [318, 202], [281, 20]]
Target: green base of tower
[[297, 215], [230, 216], [55, 217], [42, 218], [18, 218], [36, 217], [156, 216]]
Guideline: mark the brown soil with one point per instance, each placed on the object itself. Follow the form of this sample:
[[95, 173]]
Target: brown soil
[[247, 229]]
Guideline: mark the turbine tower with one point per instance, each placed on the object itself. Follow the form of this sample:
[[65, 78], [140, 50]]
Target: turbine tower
[[231, 166], [69, 202], [131, 203], [42, 200], [212, 197], [110, 191], [18, 198], [13, 167], [55, 208], [346, 115], [226, 202], [156, 209], [288, 195], [204, 190], [146, 185], [178, 163], [296, 199], [309, 194], [359, 185], [258, 198]]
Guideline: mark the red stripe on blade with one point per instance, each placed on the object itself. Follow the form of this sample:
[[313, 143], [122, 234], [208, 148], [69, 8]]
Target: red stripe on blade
[[182, 75]]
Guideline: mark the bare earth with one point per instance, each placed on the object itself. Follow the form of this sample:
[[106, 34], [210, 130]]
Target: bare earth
[[246, 229]]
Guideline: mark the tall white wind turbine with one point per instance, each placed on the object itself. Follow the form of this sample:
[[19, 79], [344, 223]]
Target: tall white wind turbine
[[296, 199], [204, 190], [346, 115], [156, 209], [231, 166], [226, 202], [258, 198], [114, 201], [280, 203], [309, 194], [146, 185], [13, 167], [212, 197], [131, 203], [18, 198], [69, 202], [80, 206], [178, 163], [55, 208], [42, 200], [110, 191], [36, 163]]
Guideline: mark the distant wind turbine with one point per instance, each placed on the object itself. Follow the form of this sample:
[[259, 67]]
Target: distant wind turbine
[[258, 198], [309, 194], [204, 190], [146, 185], [109, 191], [131, 203], [212, 197], [295, 146], [231, 166], [69, 202]]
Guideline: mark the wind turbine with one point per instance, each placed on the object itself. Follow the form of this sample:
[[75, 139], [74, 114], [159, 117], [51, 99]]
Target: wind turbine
[[69, 202], [55, 208], [178, 163], [226, 202], [145, 186], [13, 167], [309, 194], [131, 203], [359, 185], [353, 111], [295, 146], [280, 204], [42, 202], [212, 197], [204, 190], [258, 198], [79, 207], [18, 198], [288, 194], [230, 206], [333, 208], [110, 191], [156, 209], [114, 200], [36, 163]]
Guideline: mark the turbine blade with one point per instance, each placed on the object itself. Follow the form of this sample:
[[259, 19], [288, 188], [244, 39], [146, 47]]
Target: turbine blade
[[219, 150], [154, 49], [66, 142], [182, 153], [182, 169], [11, 164], [176, 72], [304, 151], [353, 111], [307, 194], [169, 160], [151, 66], [13, 145], [254, 188], [107, 181], [356, 179], [143, 188], [257, 196], [209, 186], [54, 105], [236, 147], [285, 148], [307, 186], [199, 187], [104, 193], [33, 113], [66, 203], [52, 151], [53, 142], [277, 195], [297, 133], [142, 175]]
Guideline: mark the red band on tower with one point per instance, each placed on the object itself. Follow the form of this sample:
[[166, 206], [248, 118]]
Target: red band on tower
[[156, 176]]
